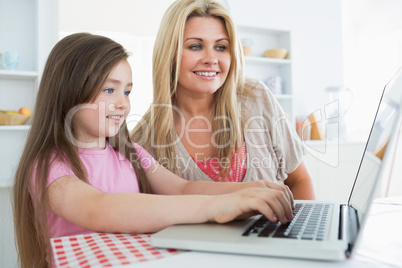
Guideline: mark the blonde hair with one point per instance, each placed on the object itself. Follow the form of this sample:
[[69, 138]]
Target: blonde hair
[[74, 73], [156, 130]]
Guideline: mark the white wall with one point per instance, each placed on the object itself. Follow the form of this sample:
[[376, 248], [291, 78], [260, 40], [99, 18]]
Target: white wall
[[316, 39], [135, 17], [372, 54]]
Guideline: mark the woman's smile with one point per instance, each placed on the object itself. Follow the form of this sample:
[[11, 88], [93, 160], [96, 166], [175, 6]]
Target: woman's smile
[[205, 59]]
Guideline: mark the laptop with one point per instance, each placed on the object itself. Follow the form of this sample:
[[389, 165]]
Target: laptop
[[320, 230]]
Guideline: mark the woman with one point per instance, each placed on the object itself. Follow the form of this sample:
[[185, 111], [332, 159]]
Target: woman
[[207, 122]]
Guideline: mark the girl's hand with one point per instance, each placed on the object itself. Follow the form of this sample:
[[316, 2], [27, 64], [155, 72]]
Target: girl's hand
[[275, 204], [272, 185]]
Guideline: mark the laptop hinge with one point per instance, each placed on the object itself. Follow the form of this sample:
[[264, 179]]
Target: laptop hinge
[[348, 226], [342, 223]]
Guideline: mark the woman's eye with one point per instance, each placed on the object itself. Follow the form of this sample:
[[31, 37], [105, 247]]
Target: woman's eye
[[220, 47], [195, 47], [109, 90], [127, 92]]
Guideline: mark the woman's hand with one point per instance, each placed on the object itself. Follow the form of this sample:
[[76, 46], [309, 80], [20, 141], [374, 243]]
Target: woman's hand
[[275, 203]]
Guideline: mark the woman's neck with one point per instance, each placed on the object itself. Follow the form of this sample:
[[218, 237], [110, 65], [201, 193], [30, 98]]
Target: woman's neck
[[193, 106]]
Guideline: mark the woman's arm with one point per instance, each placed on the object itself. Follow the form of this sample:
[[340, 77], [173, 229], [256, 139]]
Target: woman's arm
[[84, 205], [163, 181], [299, 182]]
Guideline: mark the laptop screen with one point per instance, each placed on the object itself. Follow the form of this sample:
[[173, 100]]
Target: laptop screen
[[385, 126]]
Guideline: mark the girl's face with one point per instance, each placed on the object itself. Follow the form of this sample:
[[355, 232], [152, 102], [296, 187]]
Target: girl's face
[[102, 118], [205, 60]]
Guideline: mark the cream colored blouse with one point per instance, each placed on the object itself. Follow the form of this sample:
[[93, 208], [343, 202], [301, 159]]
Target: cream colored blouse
[[273, 147]]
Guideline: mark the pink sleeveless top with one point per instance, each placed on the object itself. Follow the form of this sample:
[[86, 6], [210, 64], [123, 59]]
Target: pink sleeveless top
[[212, 167]]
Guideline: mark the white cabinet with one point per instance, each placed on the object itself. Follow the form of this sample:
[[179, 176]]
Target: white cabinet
[[29, 27], [260, 67]]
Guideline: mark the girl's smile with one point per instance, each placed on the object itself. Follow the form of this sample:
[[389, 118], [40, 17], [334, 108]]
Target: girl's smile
[[117, 119]]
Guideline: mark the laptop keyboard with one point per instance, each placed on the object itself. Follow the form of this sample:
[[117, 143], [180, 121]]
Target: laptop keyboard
[[310, 223]]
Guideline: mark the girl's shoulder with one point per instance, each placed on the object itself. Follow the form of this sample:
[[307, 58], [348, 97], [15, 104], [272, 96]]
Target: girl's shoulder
[[141, 151], [138, 147]]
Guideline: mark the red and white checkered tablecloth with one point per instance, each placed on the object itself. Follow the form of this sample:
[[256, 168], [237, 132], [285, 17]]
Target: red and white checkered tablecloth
[[105, 250]]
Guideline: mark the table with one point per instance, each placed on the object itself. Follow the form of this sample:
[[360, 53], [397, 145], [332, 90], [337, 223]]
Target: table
[[376, 249], [105, 250]]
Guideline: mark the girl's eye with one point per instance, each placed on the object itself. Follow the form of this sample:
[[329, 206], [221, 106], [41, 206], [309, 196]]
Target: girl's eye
[[195, 47], [220, 47], [127, 92], [109, 90]]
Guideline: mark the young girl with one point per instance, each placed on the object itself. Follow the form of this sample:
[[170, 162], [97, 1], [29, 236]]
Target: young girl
[[80, 173]]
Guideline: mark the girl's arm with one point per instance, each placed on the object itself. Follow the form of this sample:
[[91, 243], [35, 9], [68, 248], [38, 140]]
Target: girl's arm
[[84, 205], [163, 181]]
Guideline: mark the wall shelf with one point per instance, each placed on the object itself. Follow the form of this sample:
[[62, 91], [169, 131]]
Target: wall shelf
[[14, 127], [6, 74], [5, 184], [252, 59], [31, 29], [263, 68]]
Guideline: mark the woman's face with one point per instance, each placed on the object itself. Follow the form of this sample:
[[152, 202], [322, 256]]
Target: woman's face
[[205, 60]]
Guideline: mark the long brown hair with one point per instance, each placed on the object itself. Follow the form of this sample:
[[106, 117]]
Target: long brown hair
[[76, 69], [156, 130]]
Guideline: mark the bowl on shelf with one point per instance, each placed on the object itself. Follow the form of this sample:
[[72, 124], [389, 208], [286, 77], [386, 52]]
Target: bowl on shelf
[[278, 53], [13, 119]]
